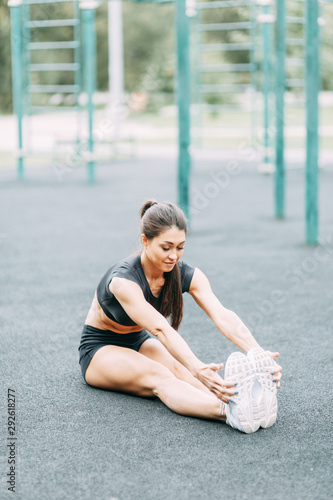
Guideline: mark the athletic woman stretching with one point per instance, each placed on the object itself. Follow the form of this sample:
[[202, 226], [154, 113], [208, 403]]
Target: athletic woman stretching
[[135, 297]]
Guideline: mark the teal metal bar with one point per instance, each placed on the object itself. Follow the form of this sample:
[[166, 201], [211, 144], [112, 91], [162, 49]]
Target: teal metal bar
[[295, 62], [225, 26], [253, 75], [265, 79], [17, 82], [225, 68], [295, 82], [37, 2], [88, 17], [312, 90], [279, 108], [52, 45], [221, 107], [52, 23], [52, 89], [196, 41], [50, 109], [215, 47], [295, 42], [227, 87], [78, 76], [54, 67], [183, 87], [224, 4], [295, 20], [27, 99]]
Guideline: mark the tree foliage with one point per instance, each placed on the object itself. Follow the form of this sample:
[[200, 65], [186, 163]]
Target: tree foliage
[[5, 59], [149, 47]]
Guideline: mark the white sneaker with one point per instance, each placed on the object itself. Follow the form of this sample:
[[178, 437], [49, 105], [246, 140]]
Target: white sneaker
[[264, 389], [243, 413]]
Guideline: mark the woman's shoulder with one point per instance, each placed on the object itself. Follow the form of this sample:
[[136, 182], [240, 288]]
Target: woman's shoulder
[[186, 274], [185, 265], [123, 268], [129, 263], [127, 266]]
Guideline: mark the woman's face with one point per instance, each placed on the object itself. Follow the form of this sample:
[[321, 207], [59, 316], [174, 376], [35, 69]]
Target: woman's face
[[165, 250]]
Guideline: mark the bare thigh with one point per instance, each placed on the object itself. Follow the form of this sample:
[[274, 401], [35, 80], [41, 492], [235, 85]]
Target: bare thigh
[[122, 369], [155, 350]]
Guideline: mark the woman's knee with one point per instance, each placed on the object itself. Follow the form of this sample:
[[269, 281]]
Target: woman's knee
[[180, 370], [157, 352], [157, 377], [128, 371]]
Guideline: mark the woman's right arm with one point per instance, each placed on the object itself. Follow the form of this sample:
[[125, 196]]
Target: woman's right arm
[[131, 298]]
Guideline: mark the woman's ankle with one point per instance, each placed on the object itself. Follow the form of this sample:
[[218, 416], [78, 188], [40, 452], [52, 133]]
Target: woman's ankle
[[221, 411]]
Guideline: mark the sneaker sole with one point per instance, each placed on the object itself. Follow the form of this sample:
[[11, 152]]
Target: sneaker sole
[[263, 371], [240, 369]]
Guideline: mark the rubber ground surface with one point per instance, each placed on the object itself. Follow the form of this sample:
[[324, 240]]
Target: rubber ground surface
[[77, 442]]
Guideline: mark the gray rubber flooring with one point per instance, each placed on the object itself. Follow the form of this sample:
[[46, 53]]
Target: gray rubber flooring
[[77, 442]]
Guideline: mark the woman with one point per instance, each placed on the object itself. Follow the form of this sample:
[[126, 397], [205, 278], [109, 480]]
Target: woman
[[135, 297]]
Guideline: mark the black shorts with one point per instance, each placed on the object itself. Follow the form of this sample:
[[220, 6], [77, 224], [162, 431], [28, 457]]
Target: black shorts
[[93, 339]]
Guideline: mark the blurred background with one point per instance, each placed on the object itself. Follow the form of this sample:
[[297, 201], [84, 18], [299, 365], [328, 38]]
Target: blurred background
[[227, 84]]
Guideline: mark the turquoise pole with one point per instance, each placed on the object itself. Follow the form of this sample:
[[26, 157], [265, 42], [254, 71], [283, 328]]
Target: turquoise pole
[[265, 77], [253, 73], [88, 16], [312, 89], [183, 86], [279, 107], [78, 75], [197, 79], [16, 42]]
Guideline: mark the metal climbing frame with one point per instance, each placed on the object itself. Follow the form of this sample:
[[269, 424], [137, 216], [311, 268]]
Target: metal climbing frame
[[266, 19], [183, 85], [29, 18], [311, 83], [245, 30], [21, 92], [31, 27], [290, 74], [312, 79]]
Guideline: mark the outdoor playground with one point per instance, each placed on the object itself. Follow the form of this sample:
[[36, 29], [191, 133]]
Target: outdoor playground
[[243, 142]]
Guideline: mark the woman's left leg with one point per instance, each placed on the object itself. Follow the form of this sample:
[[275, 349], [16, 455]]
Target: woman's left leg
[[154, 349]]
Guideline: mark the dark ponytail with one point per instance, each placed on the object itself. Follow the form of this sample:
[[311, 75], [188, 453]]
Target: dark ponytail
[[154, 219], [146, 206]]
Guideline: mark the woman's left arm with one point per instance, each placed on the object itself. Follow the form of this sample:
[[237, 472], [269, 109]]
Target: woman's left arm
[[229, 324]]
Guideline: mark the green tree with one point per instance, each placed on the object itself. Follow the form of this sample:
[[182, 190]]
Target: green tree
[[5, 59], [149, 47]]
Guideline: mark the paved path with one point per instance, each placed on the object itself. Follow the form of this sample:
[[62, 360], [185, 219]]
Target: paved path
[[77, 442], [53, 136]]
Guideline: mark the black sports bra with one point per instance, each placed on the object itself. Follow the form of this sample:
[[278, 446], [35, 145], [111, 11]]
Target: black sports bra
[[131, 269]]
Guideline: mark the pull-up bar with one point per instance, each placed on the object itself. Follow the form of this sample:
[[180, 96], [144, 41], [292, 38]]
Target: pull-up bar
[[183, 11], [312, 90], [312, 78]]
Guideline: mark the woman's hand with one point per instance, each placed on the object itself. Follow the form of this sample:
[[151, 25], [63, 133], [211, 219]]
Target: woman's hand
[[278, 368], [220, 388]]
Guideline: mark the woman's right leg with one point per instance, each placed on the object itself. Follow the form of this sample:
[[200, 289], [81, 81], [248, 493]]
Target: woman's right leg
[[122, 369]]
